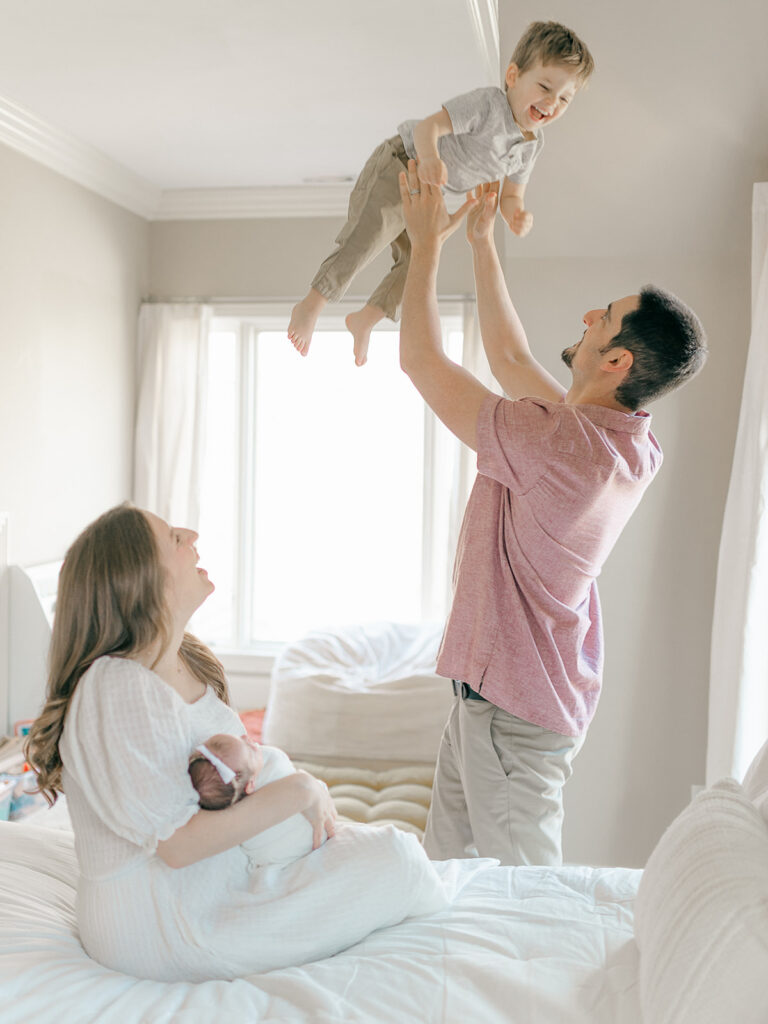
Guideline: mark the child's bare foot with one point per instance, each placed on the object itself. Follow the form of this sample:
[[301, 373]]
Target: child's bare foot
[[360, 325], [303, 319]]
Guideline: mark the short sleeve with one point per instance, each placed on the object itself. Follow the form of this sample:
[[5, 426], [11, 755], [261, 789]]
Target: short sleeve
[[514, 440], [469, 111], [125, 743], [529, 154]]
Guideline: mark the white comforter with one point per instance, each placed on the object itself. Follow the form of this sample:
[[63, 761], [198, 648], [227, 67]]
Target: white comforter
[[522, 945]]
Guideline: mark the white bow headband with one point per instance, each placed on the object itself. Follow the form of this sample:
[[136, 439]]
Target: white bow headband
[[226, 773]]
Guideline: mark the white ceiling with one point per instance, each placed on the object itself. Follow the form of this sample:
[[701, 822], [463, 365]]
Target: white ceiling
[[223, 94], [227, 108]]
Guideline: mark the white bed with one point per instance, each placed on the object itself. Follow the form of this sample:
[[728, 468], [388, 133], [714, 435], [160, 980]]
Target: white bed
[[687, 938], [518, 944], [522, 945], [528, 945]]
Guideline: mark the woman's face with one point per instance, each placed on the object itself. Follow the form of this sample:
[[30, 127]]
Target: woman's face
[[187, 585]]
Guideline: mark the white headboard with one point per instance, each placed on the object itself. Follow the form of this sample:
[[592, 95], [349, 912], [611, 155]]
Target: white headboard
[[31, 600], [4, 652], [27, 601]]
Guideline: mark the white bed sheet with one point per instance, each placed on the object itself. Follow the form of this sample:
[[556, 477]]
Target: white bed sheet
[[529, 945]]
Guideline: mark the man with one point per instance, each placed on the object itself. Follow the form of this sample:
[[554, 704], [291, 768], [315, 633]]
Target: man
[[559, 474]]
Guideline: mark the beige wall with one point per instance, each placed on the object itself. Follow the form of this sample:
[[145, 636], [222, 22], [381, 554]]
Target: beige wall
[[267, 259], [72, 270], [649, 178], [647, 745]]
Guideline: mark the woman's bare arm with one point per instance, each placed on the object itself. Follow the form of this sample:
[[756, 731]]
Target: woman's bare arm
[[211, 832]]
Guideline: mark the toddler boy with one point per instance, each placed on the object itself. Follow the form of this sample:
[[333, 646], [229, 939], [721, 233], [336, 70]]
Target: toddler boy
[[480, 136]]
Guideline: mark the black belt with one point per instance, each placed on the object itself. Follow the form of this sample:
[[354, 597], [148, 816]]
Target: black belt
[[465, 691]]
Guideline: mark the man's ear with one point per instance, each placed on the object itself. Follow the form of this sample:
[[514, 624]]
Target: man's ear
[[617, 360], [513, 71], [250, 785]]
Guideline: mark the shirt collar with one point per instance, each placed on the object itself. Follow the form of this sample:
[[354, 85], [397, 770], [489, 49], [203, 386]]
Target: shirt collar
[[613, 419]]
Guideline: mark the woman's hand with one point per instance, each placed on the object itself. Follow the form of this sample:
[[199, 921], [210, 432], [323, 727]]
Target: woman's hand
[[321, 812], [481, 218]]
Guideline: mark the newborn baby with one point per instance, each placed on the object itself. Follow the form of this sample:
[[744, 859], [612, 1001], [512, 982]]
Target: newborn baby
[[226, 768]]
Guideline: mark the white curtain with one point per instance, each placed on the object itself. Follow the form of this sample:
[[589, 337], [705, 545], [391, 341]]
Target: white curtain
[[475, 360], [170, 417], [738, 695], [451, 472]]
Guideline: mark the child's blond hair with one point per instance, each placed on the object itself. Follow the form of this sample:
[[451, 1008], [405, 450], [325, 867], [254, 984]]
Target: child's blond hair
[[553, 43]]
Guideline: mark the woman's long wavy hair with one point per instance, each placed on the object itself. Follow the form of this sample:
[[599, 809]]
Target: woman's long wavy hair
[[111, 600]]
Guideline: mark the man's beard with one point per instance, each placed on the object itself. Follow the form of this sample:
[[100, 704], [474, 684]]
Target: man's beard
[[567, 356]]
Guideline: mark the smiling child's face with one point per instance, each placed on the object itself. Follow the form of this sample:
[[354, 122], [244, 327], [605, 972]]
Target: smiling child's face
[[539, 95]]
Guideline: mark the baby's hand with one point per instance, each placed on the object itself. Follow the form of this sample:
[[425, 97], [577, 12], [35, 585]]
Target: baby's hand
[[520, 223], [432, 171]]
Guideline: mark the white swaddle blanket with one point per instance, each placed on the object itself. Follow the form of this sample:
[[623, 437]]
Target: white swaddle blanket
[[289, 839]]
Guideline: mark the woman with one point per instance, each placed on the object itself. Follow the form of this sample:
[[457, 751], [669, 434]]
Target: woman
[[165, 890]]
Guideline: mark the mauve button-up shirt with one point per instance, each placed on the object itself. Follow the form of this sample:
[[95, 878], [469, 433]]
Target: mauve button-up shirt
[[556, 484]]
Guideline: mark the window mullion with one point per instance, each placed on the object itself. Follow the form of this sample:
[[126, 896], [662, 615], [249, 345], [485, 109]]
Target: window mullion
[[246, 482], [428, 515]]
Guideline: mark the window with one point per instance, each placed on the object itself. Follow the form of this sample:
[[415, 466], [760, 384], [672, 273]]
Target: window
[[327, 487]]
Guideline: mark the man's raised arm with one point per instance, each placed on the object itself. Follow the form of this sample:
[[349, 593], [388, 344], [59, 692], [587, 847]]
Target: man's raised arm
[[452, 393], [504, 338]]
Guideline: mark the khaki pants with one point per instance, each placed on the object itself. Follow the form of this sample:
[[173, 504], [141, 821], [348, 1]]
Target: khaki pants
[[498, 788], [374, 221]]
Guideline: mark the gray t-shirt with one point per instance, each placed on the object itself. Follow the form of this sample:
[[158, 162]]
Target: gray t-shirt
[[486, 144]]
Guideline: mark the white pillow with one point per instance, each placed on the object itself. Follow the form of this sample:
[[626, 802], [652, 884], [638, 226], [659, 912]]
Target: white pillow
[[363, 692], [701, 916]]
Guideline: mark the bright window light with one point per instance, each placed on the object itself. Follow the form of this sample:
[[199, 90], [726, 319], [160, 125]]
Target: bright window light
[[326, 487]]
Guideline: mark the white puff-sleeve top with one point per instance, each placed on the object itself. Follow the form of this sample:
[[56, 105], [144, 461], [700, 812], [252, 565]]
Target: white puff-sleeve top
[[125, 749]]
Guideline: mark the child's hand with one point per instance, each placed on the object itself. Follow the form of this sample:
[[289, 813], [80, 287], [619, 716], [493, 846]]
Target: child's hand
[[520, 223], [481, 217], [432, 171]]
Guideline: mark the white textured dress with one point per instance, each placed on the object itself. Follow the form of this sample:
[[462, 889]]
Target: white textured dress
[[125, 749]]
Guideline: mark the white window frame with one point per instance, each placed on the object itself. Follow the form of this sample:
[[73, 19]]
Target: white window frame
[[249, 320]]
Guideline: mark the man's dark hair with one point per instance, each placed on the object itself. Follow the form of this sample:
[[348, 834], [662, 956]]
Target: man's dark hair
[[667, 343]]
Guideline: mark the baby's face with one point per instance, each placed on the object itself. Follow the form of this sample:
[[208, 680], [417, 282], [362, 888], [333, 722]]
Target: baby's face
[[240, 753], [251, 758]]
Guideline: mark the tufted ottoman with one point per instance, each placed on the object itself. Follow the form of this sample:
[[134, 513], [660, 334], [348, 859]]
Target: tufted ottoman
[[396, 796], [365, 695]]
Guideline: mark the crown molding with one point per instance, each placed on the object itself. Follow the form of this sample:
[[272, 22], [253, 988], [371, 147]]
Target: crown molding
[[86, 165], [261, 201], [81, 163]]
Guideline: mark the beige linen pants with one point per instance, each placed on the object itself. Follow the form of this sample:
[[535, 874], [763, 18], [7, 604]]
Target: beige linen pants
[[374, 221], [498, 787]]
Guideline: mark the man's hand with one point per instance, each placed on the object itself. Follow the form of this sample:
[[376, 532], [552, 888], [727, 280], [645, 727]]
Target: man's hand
[[432, 171], [481, 219], [426, 219]]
